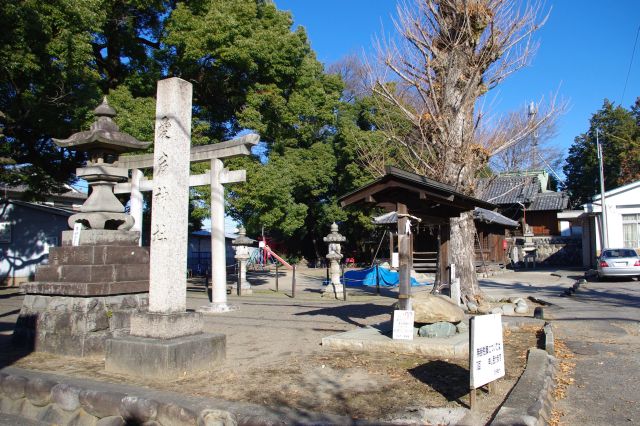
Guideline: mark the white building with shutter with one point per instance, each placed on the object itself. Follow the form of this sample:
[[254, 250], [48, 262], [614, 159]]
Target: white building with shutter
[[623, 221]]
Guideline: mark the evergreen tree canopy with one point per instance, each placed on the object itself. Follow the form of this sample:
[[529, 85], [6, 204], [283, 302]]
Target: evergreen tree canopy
[[250, 72], [619, 133]]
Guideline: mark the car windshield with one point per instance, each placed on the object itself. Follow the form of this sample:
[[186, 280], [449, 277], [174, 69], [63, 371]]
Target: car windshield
[[619, 253]]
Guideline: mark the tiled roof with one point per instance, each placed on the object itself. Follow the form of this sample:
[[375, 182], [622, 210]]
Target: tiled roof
[[508, 189], [50, 209], [23, 188], [493, 217], [549, 201]]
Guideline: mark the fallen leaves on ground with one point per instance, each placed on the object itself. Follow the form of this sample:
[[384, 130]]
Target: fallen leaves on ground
[[564, 378]]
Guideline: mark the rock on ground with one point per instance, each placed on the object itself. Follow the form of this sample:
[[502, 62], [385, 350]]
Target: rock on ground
[[439, 329], [431, 308]]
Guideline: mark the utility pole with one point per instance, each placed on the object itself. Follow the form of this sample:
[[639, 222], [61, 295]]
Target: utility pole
[[605, 227], [533, 110]]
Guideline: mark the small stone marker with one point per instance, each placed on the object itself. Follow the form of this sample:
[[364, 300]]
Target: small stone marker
[[455, 291], [403, 325], [75, 239], [170, 211], [486, 351]]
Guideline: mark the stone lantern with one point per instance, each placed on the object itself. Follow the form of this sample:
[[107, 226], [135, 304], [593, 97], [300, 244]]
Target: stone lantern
[[241, 245], [335, 254], [94, 282], [103, 142]]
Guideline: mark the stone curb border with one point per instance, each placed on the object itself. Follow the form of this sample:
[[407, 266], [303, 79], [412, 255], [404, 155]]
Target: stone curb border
[[530, 401], [60, 400], [579, 286]]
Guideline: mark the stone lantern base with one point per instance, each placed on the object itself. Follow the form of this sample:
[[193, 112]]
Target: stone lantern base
[[336, 290], [85, 295]]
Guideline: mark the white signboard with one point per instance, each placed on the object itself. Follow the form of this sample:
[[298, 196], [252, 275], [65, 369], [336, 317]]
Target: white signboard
[[77, 228], [486, 352], [403, 325], [395, 260]]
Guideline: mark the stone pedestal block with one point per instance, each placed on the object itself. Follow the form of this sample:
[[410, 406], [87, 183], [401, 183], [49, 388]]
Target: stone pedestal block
[[86, 294], [74, 326], [166, 326], [164, 359]]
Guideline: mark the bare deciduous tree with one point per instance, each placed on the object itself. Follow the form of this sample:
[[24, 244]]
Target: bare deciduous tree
[[531, 152], [448, 55]]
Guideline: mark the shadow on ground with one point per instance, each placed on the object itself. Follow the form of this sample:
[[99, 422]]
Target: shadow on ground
[[347, 313], [9, 353], [450, 380]]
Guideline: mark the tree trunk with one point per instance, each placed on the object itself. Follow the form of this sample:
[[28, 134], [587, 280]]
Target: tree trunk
[[462, 254]]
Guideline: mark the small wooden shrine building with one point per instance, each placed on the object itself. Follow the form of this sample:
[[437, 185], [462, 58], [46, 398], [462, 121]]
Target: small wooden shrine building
[[412, 195]]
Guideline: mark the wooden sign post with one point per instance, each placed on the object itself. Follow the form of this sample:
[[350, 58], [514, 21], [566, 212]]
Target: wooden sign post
[[486, 352]]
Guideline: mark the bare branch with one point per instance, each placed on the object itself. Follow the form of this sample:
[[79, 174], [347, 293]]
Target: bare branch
[[449, 53]]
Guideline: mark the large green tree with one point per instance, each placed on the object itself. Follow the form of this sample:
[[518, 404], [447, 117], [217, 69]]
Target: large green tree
[[250, 72], [47, 86], [619, 133]]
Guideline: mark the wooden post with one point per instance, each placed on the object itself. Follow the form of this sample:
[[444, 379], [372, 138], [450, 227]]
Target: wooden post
[[293, 282], [472, 399], [377, 278], [443, 257], [344, 285], [404, 254], [206, 284], [472, 390], [239, 290], [390, 246], [277, 277], [328, 280]]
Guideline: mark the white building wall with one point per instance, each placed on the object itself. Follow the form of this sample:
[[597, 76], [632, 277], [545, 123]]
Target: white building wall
[[620, 201]]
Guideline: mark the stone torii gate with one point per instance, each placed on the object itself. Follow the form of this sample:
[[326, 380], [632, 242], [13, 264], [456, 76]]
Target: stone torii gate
[[216, 177]]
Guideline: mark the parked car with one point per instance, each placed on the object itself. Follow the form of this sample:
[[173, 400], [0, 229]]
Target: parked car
[[619, 262]]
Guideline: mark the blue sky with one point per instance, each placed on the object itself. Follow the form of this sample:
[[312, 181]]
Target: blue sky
[[584, 55]]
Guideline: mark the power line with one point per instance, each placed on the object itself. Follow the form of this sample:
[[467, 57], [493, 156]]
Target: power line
[[630, 63]]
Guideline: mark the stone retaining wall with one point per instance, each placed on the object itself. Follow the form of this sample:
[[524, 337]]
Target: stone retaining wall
[[63, 404], [550, 251], [72, 401]]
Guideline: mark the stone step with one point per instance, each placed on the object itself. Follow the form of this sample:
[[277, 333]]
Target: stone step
[[85, 288], [92, 273], [98, 255]]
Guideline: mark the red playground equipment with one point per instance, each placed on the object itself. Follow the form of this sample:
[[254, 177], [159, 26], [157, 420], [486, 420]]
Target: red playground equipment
[[265, 256]]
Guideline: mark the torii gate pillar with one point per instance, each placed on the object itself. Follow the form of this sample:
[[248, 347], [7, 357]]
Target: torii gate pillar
[[218, 249]]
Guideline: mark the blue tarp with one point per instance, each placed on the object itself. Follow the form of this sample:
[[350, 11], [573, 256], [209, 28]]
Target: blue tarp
[[367, 277]]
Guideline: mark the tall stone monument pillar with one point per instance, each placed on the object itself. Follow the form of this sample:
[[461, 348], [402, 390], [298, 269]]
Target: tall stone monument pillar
[[167, 340], [170, 198]]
